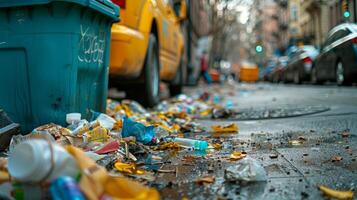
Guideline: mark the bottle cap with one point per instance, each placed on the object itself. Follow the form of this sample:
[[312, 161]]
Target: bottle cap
[[203, 145]]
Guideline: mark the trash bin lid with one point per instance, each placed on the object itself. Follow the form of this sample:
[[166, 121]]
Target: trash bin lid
[[103, 6]]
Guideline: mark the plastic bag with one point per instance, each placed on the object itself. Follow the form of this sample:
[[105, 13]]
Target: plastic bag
[[248, 169], [142, 133]]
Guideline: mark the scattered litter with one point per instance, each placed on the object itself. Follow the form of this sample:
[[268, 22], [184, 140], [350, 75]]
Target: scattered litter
[[205, 180], [66, 187], [247, 169], [48, 166], [4, 174], [217, 146], [130, 141], [166, 171], [109, 147], [195, 144], [168, 145], [190, 158], [104, 120], [142, 133], [336, 158], [230, 128], [302, 138], [273, 156], [156, 157], [222, 113], [128, 168], [237, 155], [295, 142], [345, 134], [341, 195]]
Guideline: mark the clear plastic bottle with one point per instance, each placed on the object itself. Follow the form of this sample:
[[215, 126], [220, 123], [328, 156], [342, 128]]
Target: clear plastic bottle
[[196, 144], [30, 161]]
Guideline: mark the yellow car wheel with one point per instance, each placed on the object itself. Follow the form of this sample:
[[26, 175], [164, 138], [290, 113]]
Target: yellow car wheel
[[151, 77]]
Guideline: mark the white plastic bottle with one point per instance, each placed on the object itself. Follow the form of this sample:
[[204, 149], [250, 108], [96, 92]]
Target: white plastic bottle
[[30, 161]]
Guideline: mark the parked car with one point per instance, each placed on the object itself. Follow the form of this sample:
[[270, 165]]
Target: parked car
[[300, 64], [147, 46], [279, 70], [267, 72], [338, 58]]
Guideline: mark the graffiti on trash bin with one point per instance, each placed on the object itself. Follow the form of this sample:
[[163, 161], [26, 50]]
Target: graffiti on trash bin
[[91, 45]]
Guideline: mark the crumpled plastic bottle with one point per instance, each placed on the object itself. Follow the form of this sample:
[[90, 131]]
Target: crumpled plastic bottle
[[142, 133]]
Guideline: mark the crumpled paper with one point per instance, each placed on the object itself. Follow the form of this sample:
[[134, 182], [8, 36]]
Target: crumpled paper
[[247, 169]]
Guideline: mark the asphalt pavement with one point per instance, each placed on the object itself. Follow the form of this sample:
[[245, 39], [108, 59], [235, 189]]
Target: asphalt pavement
[[308, 141]]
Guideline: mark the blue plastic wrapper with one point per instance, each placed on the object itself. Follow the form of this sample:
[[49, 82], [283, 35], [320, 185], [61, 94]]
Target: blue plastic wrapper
[[95, 115], [65, 187], [142, 133]]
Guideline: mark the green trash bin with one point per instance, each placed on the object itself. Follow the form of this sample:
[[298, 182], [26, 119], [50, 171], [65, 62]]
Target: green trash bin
[[54, 58]]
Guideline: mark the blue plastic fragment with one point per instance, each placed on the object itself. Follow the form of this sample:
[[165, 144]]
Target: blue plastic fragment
[[142, 133]]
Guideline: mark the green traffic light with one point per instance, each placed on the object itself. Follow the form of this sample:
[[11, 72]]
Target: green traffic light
[[346, 14], [259, 48]]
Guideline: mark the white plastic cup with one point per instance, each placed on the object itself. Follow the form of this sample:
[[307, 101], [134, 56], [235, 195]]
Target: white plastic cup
[[30, 161], [72, 118]]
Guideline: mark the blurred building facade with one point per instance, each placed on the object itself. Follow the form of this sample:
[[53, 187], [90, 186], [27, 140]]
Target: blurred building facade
[[265, 29], [315, 21], [282, 17], [196, 27], [310, 20], [294, 16]]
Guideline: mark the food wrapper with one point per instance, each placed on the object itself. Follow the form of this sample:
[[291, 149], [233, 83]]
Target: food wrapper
[[206, 112], [216, 146], [98, 134], [205, 180], [95, 181], [237, 155], [56, 131], [109, 147], [128, 168], [230, 128]]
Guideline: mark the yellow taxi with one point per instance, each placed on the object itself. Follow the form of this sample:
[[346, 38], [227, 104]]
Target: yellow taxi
[[147, 46], [248, 72]]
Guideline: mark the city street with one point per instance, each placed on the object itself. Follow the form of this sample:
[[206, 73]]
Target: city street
[[324, 155], [178, 99]]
